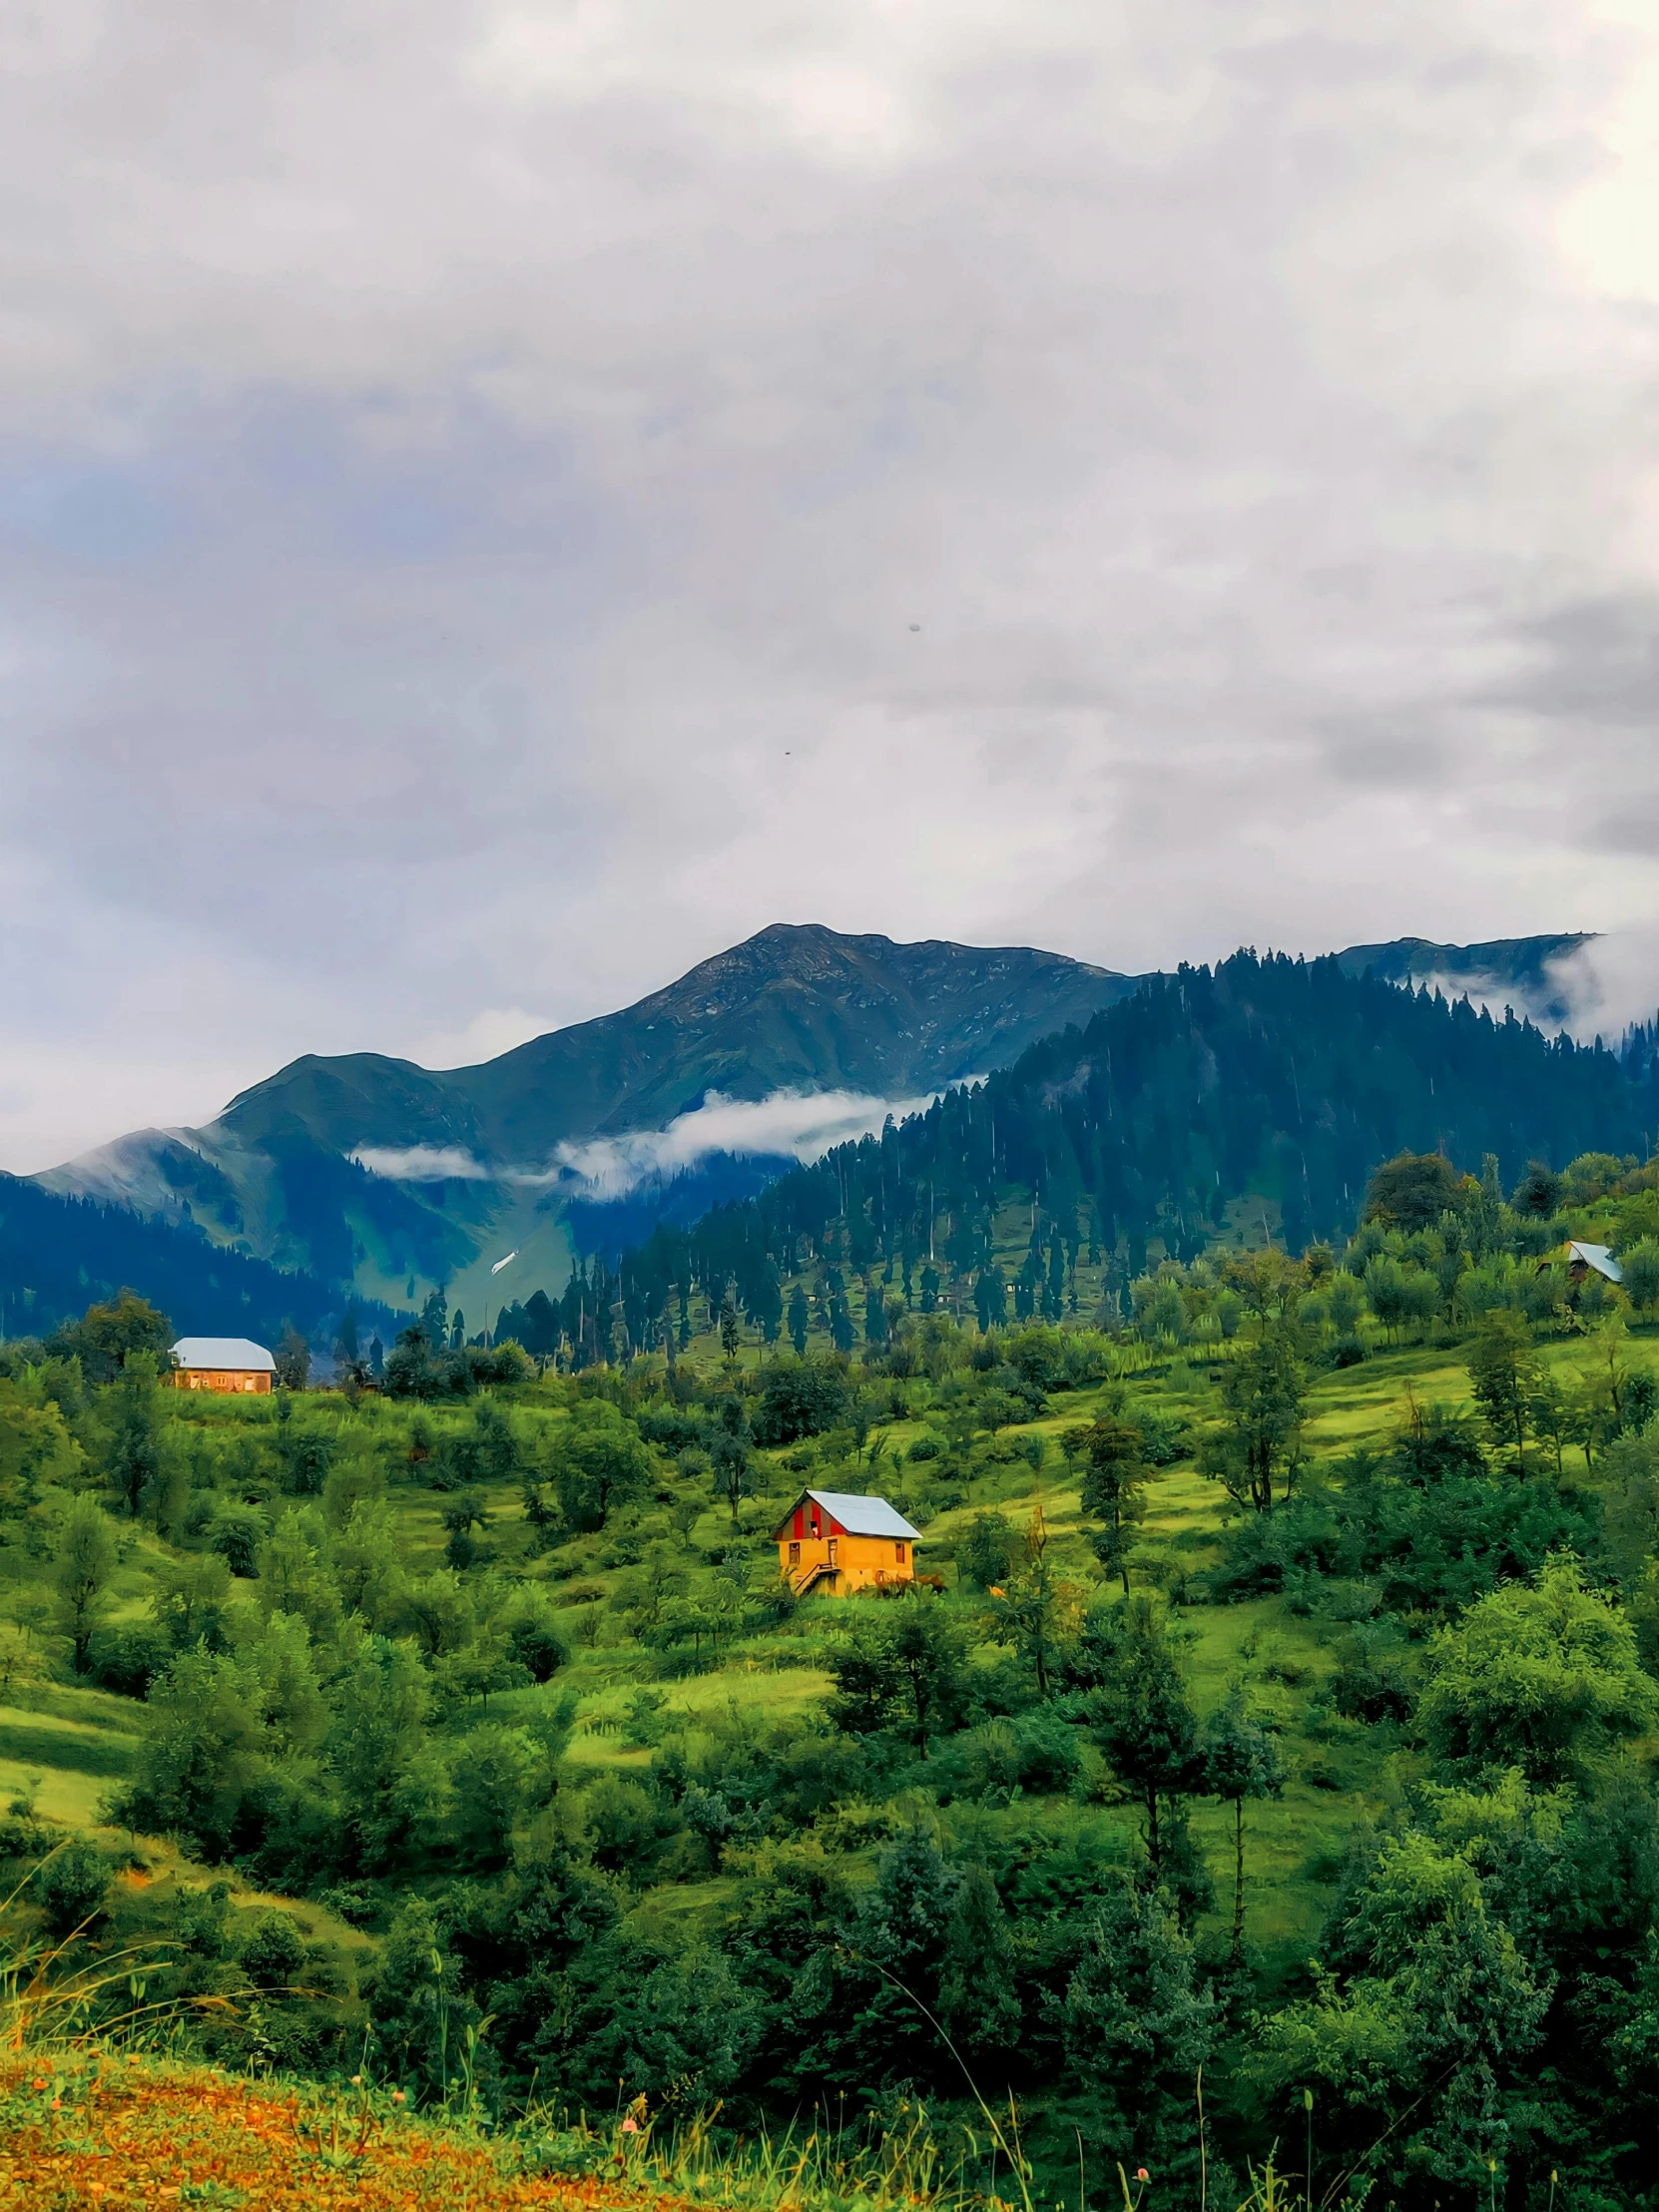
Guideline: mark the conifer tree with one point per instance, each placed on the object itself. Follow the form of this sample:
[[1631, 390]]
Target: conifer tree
[[1114, 1477], [1241, 1760]]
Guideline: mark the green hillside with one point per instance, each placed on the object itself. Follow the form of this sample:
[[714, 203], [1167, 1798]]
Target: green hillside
[[469, 1166], [792, 1008], [465, 1732]]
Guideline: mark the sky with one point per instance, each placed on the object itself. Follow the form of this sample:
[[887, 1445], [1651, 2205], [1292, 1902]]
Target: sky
[[499, 501]]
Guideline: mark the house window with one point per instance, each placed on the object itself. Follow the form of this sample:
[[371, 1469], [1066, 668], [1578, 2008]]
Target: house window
[[898, 1553], [833, 1551], [795, 1555]]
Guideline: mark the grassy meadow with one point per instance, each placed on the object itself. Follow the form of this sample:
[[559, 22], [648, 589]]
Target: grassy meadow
[[63, 1744]]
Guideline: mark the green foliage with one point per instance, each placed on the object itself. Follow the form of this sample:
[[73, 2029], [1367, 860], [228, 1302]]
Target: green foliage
[[1137, 2027], [1241, 1761], [1139, 1710], [1546, 1678], [799, 1397], [1114, 1480], [986, 1552], [1413, 1191], [1257, 1454], [71, 1886], [482, 1724], [85, 1563], [132, 1443], [109, 1334], [906, 1670], [1505, 1375], [598, 1460]]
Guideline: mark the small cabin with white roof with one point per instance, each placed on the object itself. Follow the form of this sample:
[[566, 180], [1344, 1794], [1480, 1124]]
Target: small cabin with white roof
[[222, 1364], [838, 1542], [1592, 1259]]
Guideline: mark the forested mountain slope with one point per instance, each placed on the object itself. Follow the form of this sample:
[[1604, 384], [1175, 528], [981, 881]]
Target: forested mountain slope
[[794, 1008], [1271, 1081], [59, 1253], [468, 1162], [1524, 971]]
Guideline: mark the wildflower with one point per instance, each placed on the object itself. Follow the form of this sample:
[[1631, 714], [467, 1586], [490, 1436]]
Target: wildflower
[[356, 2082], [57, 2104], [397, 2096], [1141, 2174], [630, 2125], [38, 2083]]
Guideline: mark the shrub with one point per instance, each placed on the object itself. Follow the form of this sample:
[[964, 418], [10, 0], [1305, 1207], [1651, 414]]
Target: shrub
[[1369, 1684], [71, 1888], [273, 1952], [985, 1553], [235, 1534], [126, 1660], [798, 1399]]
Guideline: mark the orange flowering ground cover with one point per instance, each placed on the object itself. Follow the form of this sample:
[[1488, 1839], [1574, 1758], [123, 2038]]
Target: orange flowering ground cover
[[100, 2134]]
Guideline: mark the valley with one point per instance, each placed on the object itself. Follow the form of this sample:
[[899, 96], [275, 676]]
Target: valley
[[1278, 1430]]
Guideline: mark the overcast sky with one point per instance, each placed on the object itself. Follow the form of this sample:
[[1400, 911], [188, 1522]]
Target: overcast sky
[[471, 478]]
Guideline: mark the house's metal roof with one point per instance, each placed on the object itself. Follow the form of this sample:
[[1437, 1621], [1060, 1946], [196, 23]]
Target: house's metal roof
[[862, 1516], [1599, 1257], [222, 1352]]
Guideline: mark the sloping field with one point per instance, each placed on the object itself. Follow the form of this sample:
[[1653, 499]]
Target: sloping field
[[97, 2131]]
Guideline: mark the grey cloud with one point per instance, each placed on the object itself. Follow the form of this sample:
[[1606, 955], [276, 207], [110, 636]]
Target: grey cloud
[[1597, 660], [448, 460]]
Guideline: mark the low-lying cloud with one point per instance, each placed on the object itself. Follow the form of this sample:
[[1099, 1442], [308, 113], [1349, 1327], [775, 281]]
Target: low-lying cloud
[[788, 1125], [423, 1163], [1610, 983]]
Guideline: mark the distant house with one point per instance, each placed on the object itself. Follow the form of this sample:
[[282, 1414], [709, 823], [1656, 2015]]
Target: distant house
[[1589, 1258], [834, 1541], [222, 1364]]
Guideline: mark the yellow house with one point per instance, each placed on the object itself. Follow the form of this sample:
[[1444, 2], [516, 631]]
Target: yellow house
[[222, 1364], [834, 1541]]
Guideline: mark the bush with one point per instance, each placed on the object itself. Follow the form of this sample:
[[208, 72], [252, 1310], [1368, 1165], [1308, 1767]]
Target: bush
[[235, 1534], [1369, 1684], [71, 1888], [798, 1399], [1163, 1436], [538, 1647], [986, 1550], [273, 1952], [1037, 1356], [126, 1660]]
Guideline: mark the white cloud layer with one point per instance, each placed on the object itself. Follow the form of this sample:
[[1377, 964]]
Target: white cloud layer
[[1610, 985], [788, 1125], [469, 473], [798, 1125], [422, 1163]]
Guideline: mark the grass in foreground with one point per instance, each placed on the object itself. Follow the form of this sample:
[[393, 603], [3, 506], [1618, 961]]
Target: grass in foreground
[[84, 2128], [83, 2131]]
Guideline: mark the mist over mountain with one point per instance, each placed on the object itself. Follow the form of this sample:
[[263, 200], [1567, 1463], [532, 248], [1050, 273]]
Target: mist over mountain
[[1255, 1097], [1534, 974], [373, 1170], [374, 1175]]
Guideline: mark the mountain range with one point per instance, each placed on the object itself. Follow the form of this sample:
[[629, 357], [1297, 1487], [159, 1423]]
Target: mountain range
[[369, 1175]]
